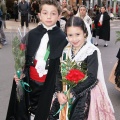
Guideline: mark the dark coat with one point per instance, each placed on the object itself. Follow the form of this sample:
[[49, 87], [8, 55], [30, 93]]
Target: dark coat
[[104, 31], [118, 54], [57, 41], [117, 70], [15, 9], [23, 8]]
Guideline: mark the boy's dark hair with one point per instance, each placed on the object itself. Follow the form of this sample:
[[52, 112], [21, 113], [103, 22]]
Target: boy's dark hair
[[103, 7], [76, 22], [51, 2]]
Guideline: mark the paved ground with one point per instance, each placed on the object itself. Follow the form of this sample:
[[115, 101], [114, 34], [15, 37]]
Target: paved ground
[[7, 66]]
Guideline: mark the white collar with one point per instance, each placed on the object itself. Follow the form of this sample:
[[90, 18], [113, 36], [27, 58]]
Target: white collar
[[48, 28]]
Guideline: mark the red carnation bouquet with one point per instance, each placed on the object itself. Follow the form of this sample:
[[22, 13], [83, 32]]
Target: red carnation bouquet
[[73, 73], [18, 49]]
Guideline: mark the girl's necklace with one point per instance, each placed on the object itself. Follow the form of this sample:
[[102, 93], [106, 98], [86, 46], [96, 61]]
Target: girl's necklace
[[74, 51]]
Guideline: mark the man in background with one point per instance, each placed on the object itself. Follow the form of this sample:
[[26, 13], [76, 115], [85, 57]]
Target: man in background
[[24, 9], [2, 16]]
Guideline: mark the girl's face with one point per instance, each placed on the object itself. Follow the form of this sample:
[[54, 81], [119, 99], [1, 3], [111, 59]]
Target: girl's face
[[76, 36]]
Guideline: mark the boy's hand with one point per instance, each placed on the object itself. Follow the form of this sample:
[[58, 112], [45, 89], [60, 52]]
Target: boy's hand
[[17, 79], [62, 98]]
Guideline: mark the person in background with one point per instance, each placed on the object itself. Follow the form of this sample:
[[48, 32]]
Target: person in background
[[23, 8], [15, 10], [82, 13], [96, 9], [35, 9], [4, 10], [0, 40], [67, 10], [117, 70], [102, 25], [2, 16], [119, 11], [75, 8], [44, 46]]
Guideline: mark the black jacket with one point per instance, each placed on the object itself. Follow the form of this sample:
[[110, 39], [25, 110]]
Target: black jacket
[[23, 8]]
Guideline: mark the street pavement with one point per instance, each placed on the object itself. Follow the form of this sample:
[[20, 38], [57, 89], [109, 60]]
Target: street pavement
[[7, 65]]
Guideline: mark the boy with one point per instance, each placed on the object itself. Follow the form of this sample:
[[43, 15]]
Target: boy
[[40, 73]]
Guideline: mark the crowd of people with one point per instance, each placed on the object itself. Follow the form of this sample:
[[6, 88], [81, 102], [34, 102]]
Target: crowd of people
[[67, 30], [29, 13]]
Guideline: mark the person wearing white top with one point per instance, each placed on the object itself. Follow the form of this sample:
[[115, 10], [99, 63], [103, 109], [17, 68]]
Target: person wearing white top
[[102, 25], [82, 13]]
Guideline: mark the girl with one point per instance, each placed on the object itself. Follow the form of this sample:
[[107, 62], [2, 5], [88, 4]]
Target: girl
[[91, 98]]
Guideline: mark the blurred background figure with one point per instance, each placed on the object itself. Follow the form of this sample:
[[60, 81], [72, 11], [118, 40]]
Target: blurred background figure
[[15, 10], [4, 12], [119, 11], [82, 13], [2, 22], [102, 25], [75, 8], [96, 9], [34, 11], [67, 10], [23, 8], [0, 40]]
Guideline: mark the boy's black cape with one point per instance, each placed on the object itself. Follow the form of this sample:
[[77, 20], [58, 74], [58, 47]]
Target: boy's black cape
[[57, 40]]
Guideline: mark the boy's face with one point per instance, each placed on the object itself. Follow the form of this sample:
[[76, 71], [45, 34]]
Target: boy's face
[[102, 9], [49, 15]]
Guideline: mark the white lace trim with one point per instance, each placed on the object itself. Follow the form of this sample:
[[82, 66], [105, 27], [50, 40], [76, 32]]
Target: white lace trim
[[85, 51]]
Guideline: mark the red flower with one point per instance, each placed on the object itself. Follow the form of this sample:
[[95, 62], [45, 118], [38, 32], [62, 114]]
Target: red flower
[[75, 75], [99, 25], [22, 46]]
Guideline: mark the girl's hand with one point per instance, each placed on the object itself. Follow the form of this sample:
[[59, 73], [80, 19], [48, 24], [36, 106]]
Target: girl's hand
[[62, 98], [71, 95]]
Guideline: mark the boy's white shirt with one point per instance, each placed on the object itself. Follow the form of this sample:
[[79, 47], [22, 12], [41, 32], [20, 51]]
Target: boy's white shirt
[[101, 19], [41, 63]]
